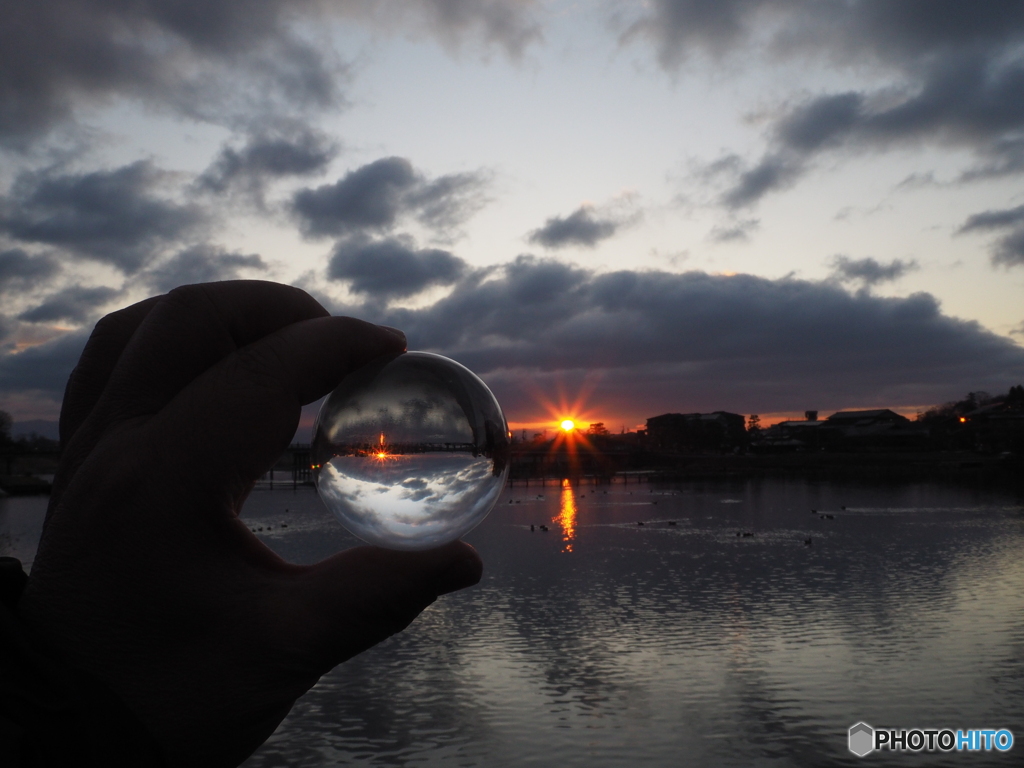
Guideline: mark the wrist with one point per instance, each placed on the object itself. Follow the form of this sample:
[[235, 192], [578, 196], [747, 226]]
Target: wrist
[[52, 714]]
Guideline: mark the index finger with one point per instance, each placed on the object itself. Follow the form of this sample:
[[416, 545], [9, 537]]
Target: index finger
[[192, 329], [252, 399], [89, 378]]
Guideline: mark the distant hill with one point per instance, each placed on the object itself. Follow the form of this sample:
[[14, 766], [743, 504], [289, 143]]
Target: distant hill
[[41, 427]]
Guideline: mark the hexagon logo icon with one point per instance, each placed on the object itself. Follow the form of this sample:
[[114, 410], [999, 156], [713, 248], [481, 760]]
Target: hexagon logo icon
[[862, 737]]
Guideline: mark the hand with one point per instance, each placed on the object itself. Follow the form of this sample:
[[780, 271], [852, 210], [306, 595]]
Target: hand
[[145, 576]]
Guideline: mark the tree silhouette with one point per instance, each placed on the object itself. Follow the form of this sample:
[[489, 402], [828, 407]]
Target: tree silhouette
[[6, 422]]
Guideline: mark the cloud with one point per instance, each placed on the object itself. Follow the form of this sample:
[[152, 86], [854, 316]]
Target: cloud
[[203, 59], [956, 76], [369, 197], [505, 23], [918, 180], [968, 101], [1008, 250], [375, 196], [584, 227], [679, 28], [37, 372], [663, 341], [868, 271], [42, 369], [446, 202], [265, 157], [1005, 157], [901, 34], [112, 217], [228, 61], [994, 220], [201, 264], [21, 272], [735, 231], [772, 173], [392, 268], [819, 122], [656, 341], [75, 304]]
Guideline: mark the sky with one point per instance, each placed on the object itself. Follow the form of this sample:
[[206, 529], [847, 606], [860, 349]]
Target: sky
[[608, 210]]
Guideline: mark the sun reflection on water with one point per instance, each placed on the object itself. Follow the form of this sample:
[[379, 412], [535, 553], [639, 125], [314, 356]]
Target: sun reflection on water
[[567, 516]]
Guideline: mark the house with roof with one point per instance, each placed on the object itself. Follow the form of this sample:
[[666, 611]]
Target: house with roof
[[796, 435], [720, 431], [996, 427], [870, 418], [878, 429]]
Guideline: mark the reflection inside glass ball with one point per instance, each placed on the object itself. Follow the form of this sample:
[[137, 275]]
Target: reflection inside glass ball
[[410, 452]]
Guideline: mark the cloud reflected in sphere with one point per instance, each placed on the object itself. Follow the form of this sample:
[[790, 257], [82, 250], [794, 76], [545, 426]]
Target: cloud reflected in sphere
[[410, 452]]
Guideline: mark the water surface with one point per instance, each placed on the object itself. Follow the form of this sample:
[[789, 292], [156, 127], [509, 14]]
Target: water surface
[[602, 642], [607, 643]]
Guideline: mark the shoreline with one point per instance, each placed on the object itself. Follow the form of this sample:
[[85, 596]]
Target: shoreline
[[959, 468]]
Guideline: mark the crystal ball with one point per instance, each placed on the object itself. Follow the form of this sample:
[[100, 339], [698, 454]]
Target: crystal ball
[[410, 451]]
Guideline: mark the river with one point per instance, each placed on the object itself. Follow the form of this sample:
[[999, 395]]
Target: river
[[711, 635]]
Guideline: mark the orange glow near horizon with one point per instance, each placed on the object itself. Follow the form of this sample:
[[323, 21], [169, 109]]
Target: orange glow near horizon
[[554, 411], [567, 516], [583, 416], [382, 454]]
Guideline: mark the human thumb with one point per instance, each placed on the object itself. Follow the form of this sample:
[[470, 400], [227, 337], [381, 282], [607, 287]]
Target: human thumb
[[359, 597]]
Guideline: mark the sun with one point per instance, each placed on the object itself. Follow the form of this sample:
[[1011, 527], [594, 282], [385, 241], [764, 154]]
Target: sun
[[568, 425]]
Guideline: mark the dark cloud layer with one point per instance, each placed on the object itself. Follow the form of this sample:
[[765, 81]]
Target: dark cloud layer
[[894, 33], [662, 341], [869, 271], [20, 271], [583, 227], [987, 220], [969, 101], [657, 342], [176, 54], [265, 157], [230, 61], [113, 217], [502, 22], [369, 197], [201, 264], [773, 173], [375, 196], [42, 371], [1008, 250], [957, 76], [393, 267], [76, 304]]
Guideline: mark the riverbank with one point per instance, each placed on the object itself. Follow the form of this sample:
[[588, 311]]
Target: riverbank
[[960, 467]]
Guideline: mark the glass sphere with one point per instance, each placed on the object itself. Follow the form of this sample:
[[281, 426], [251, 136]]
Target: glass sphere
[[410, 451]]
